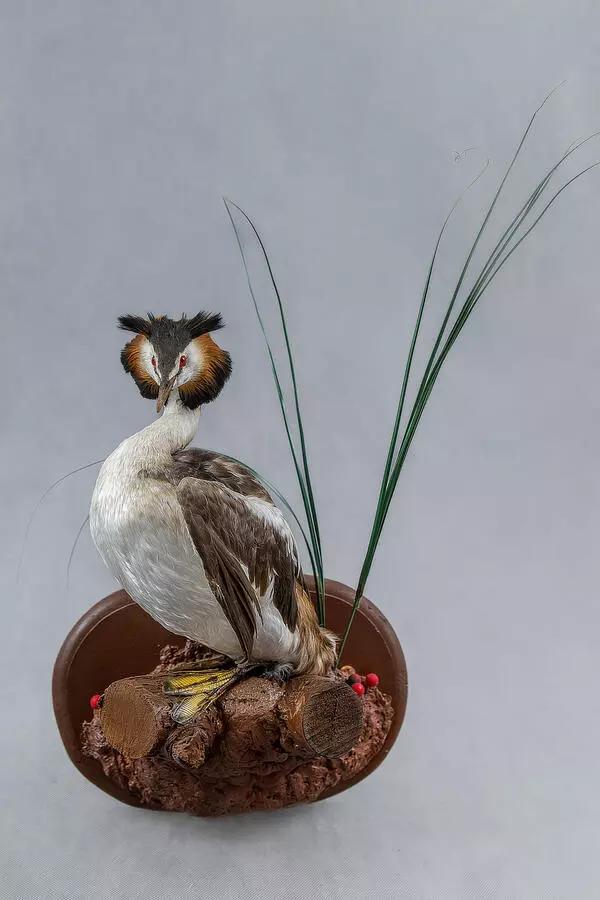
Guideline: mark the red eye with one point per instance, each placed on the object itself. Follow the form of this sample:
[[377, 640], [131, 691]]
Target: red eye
[[183, 361], [154, 361]]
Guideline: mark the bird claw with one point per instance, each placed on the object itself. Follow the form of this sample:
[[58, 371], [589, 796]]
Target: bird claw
[[278, 672]]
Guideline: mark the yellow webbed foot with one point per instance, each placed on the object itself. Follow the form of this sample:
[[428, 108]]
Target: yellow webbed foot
[[196, 690]]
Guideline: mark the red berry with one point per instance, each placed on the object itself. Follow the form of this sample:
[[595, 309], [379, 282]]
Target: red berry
[[354, 679], [358, 688], [372, 680], [95, 701]]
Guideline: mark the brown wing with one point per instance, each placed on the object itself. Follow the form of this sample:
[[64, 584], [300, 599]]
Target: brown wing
[[210, 466], [243, 550]]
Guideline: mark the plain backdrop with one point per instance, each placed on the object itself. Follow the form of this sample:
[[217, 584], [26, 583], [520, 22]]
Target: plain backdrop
[[341, 127]]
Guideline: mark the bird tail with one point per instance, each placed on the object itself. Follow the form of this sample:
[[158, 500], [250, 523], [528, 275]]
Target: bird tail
[[317, 650]]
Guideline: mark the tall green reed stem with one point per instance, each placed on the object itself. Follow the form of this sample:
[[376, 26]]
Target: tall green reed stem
[[500, 254], [514, 234], [300, 459]]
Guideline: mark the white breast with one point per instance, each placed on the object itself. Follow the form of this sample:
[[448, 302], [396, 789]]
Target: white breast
[[139, 530]]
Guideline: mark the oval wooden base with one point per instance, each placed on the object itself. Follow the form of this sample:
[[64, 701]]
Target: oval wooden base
[[116, 639]]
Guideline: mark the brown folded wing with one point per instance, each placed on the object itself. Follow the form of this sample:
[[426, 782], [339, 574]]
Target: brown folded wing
[[245, 553]]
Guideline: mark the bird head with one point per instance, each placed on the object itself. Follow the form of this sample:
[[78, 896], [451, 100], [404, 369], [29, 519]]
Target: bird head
[[175, 354]]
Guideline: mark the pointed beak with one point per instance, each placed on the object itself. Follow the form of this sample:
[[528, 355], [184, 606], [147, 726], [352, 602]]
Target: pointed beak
[[163, 392]]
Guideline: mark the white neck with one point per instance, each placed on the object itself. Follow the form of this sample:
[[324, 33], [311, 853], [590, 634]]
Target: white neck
[[151, 448]]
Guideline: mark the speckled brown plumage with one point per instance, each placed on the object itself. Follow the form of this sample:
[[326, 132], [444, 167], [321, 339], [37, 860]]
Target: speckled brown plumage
[[194, 462], [226, 534]]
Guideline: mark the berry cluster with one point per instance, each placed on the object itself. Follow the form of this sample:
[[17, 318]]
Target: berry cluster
[[360, 683]]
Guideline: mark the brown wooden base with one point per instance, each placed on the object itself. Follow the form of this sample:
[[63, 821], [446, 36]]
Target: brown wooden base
[[116, 640]]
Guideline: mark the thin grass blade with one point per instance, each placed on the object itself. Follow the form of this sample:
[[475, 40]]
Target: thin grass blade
[[302, 473], [74, 547], [291, 365], [54, 484], [498, 257]]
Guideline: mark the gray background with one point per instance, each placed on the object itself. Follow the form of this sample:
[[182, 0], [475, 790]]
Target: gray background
[[335, 124]]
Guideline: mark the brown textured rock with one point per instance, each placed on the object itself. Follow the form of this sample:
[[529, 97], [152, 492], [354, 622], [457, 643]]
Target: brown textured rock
[[252, 750]]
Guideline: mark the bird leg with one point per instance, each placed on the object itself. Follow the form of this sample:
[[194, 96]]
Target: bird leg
[[277, 672]]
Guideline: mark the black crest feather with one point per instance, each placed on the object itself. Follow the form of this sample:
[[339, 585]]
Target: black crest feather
[[201, 323], [135, 323], [204, 322]]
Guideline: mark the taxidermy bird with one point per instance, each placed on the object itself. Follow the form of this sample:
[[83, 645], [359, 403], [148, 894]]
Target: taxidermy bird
[[193, 537]]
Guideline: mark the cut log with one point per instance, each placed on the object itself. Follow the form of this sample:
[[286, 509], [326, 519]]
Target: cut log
[[135, 715], [324, 714], [320, 715]]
